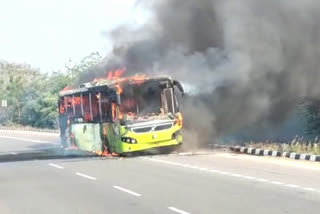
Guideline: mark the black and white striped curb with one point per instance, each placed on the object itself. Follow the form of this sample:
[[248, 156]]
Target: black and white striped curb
[[263, 152], [30, 129]]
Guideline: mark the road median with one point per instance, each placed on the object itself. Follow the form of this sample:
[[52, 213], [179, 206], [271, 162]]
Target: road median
[[273, 153]]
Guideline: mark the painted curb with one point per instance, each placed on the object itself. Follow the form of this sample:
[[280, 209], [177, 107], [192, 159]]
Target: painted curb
[[262, 152]]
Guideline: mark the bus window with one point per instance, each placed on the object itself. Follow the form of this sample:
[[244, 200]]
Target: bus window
[[62, 108], [150, 99], [86, 108], [141, 99], [168, 92], [69, 106], [105, 108], [95, 106], [128, 102], [77, 106], [176, 104]]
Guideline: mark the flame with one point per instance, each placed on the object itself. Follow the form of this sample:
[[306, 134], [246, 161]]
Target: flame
[[139, 77], [113, 110], [115, 74], [67, 88], [121, 115], [179, 119], [119, 89], [77, 100], [112, 75]]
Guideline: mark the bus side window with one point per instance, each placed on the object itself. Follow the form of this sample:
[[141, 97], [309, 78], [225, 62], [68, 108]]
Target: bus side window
[[105, 108], [62, 109], [77, 106], [95, 107], [176, 104], [168, 92], [86, 108], [69, 106]]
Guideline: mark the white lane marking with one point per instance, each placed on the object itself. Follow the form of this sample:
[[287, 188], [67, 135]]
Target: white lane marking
[[13, 153], [185, 153], [55, 165], [309, 189], [203, 169], [276, 182], [292, 186], [127, 191], [214, 171], [177, 210], [236, 175], [223, 173], [262, 180], [23, 139], [249, 177], [231, 174], [86, 176]]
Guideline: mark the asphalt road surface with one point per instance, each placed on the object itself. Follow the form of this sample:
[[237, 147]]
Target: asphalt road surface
[[219, 182]]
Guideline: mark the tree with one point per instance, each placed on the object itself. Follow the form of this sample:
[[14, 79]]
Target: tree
[[33, 96], [311, 112], [14, 80], [41, 104], [86, 65]]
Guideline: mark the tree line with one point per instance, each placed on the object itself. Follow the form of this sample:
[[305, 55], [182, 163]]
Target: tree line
[[32, 95]]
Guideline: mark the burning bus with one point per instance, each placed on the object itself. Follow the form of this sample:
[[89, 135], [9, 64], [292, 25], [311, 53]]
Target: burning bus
[[122, 115]]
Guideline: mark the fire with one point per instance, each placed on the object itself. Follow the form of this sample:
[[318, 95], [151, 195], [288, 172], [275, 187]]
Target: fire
[[116, 74], [179, 119], [77, 100], [112, 75], [138, 78], [119, 88], [67, 88], [113, 110]]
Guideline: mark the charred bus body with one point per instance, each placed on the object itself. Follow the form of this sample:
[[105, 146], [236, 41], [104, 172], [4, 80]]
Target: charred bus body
[[122, 115]]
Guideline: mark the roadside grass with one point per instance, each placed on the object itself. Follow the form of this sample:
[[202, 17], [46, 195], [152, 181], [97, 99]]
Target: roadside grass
[[298, 145]]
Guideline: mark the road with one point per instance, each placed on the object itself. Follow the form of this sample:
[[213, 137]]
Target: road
[[218, 182]]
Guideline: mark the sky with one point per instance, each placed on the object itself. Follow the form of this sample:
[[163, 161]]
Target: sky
[[46, 34]]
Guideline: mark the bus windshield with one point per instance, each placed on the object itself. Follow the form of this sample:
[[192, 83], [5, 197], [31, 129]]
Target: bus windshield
[[145, 100]]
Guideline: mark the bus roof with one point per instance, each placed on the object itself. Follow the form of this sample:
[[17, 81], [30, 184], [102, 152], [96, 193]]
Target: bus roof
[[110, 84]]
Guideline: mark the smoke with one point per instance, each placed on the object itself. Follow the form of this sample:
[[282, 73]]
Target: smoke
[[248, 62]]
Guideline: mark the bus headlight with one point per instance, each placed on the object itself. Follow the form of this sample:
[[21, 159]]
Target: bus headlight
[[129, 140]]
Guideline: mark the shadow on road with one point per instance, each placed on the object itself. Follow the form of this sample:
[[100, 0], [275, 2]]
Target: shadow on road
[[44, 146], [44, 154]]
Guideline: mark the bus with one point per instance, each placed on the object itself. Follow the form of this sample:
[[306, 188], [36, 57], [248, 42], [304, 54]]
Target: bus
[[122, 115]]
